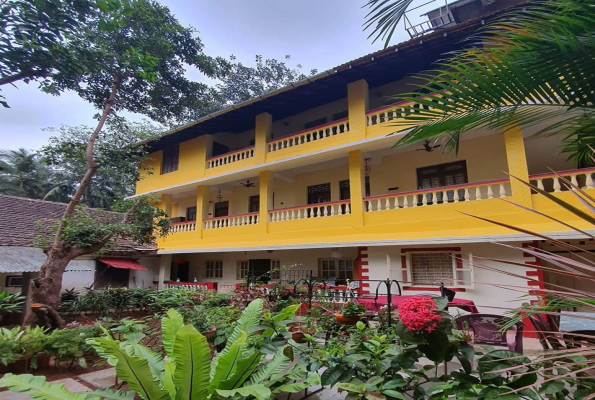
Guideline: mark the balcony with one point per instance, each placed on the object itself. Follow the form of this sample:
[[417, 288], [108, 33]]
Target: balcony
[[441, 195], [231, 221], [309, 135], [230, 157], [320, 210]]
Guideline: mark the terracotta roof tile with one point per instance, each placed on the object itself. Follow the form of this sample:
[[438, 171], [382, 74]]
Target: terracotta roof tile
[[19, 218]]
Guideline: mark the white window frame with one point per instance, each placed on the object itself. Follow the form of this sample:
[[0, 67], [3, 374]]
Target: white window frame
[[243, 268], [321, 260], [459, 279], [214, 269]]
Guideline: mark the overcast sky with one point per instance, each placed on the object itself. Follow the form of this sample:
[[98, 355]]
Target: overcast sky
[[316, 33]]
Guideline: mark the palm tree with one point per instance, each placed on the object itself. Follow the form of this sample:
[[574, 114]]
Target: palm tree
[[25, 174], [531, 67]]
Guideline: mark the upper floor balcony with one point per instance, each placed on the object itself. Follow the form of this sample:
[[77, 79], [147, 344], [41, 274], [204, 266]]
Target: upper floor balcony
[[380, 196]]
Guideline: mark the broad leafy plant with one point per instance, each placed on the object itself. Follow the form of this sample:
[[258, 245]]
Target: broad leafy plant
[[187, 370]]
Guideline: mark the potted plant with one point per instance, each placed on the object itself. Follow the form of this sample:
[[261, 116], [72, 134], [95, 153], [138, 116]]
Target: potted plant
[[350, 313], [300, 329]]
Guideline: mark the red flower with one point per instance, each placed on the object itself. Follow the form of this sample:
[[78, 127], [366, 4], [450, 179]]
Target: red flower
[[417, 315]]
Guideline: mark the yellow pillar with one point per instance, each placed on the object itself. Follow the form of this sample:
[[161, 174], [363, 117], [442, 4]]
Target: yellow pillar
[[357, 103], [265, 188], [205, 149], [262, 133], [166, 204], [517, 166], [202, 208], [357, 185]]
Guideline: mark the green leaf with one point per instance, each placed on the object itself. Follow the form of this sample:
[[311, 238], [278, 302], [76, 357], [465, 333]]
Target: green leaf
[[277, 364], [259, 392], [441, 302], [170, 325], [193, 359], [225, 365], [393, 394], [243, 371], [110, 394], [311, 380], [250, 317], [38, 388], [155, 360], [133, 370], [394, 383]]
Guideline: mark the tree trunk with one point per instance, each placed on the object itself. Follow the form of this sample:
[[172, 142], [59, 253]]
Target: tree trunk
[[46, 288]]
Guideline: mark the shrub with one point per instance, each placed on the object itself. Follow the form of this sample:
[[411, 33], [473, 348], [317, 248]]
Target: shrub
[[10, 303], [70, 344]]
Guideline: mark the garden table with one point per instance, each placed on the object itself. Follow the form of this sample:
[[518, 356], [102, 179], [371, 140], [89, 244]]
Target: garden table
[[375, 305], [569, 322]]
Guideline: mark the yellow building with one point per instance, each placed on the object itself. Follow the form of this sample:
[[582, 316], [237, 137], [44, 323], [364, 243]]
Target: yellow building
[[306, 175]]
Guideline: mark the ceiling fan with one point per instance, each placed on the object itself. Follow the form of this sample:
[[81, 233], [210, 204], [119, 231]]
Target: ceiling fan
[[428, 147], [247, 183]]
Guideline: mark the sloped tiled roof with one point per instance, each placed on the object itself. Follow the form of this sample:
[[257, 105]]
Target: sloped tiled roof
[[19, 218]]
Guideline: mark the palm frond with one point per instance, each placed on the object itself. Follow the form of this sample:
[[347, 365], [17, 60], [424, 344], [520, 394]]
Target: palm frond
[[384, 17], [530, 68]]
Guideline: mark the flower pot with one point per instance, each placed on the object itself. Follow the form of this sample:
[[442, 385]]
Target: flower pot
[[298, 333], [347, 319], [210, 333], [19, 366]]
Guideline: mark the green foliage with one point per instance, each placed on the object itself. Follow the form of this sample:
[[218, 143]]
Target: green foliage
[[36, 38], [530, 68], [384, 17], [10, 302], [71, 344], [196, 317], [188, 372], [38, 388], [351, 308], [225, 319], [120, 159], [21, 344], [140, 45]]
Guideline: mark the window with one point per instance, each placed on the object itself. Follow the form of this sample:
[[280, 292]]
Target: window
[[222, 209], [243, 268], [214, 269], [254, 204], [340, 115], [170, 159], [344, 188], [337, 268], [258, 268], [316, 122], [319, 193], [443, 175], [429, 269], [191, 214]]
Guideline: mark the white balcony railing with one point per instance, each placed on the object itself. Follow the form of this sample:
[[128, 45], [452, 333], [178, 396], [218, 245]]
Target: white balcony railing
[[552, 182], [182, 227], [309, 135], [231, 220], [442, 195], [319, 210], [231, 157]]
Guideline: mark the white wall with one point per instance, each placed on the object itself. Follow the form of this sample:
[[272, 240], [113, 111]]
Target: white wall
[[144, 279], [485, 294]]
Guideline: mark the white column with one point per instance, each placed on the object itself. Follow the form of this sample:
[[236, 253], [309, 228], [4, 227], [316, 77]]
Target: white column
[[164, 270]]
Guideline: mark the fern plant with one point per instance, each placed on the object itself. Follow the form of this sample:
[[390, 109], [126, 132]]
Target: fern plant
[[187, 371]]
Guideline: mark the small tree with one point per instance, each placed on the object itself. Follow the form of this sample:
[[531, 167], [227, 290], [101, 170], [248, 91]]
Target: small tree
[[137, 52]]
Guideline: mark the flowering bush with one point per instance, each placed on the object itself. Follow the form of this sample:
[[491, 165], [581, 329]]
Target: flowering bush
[[417, 315]]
